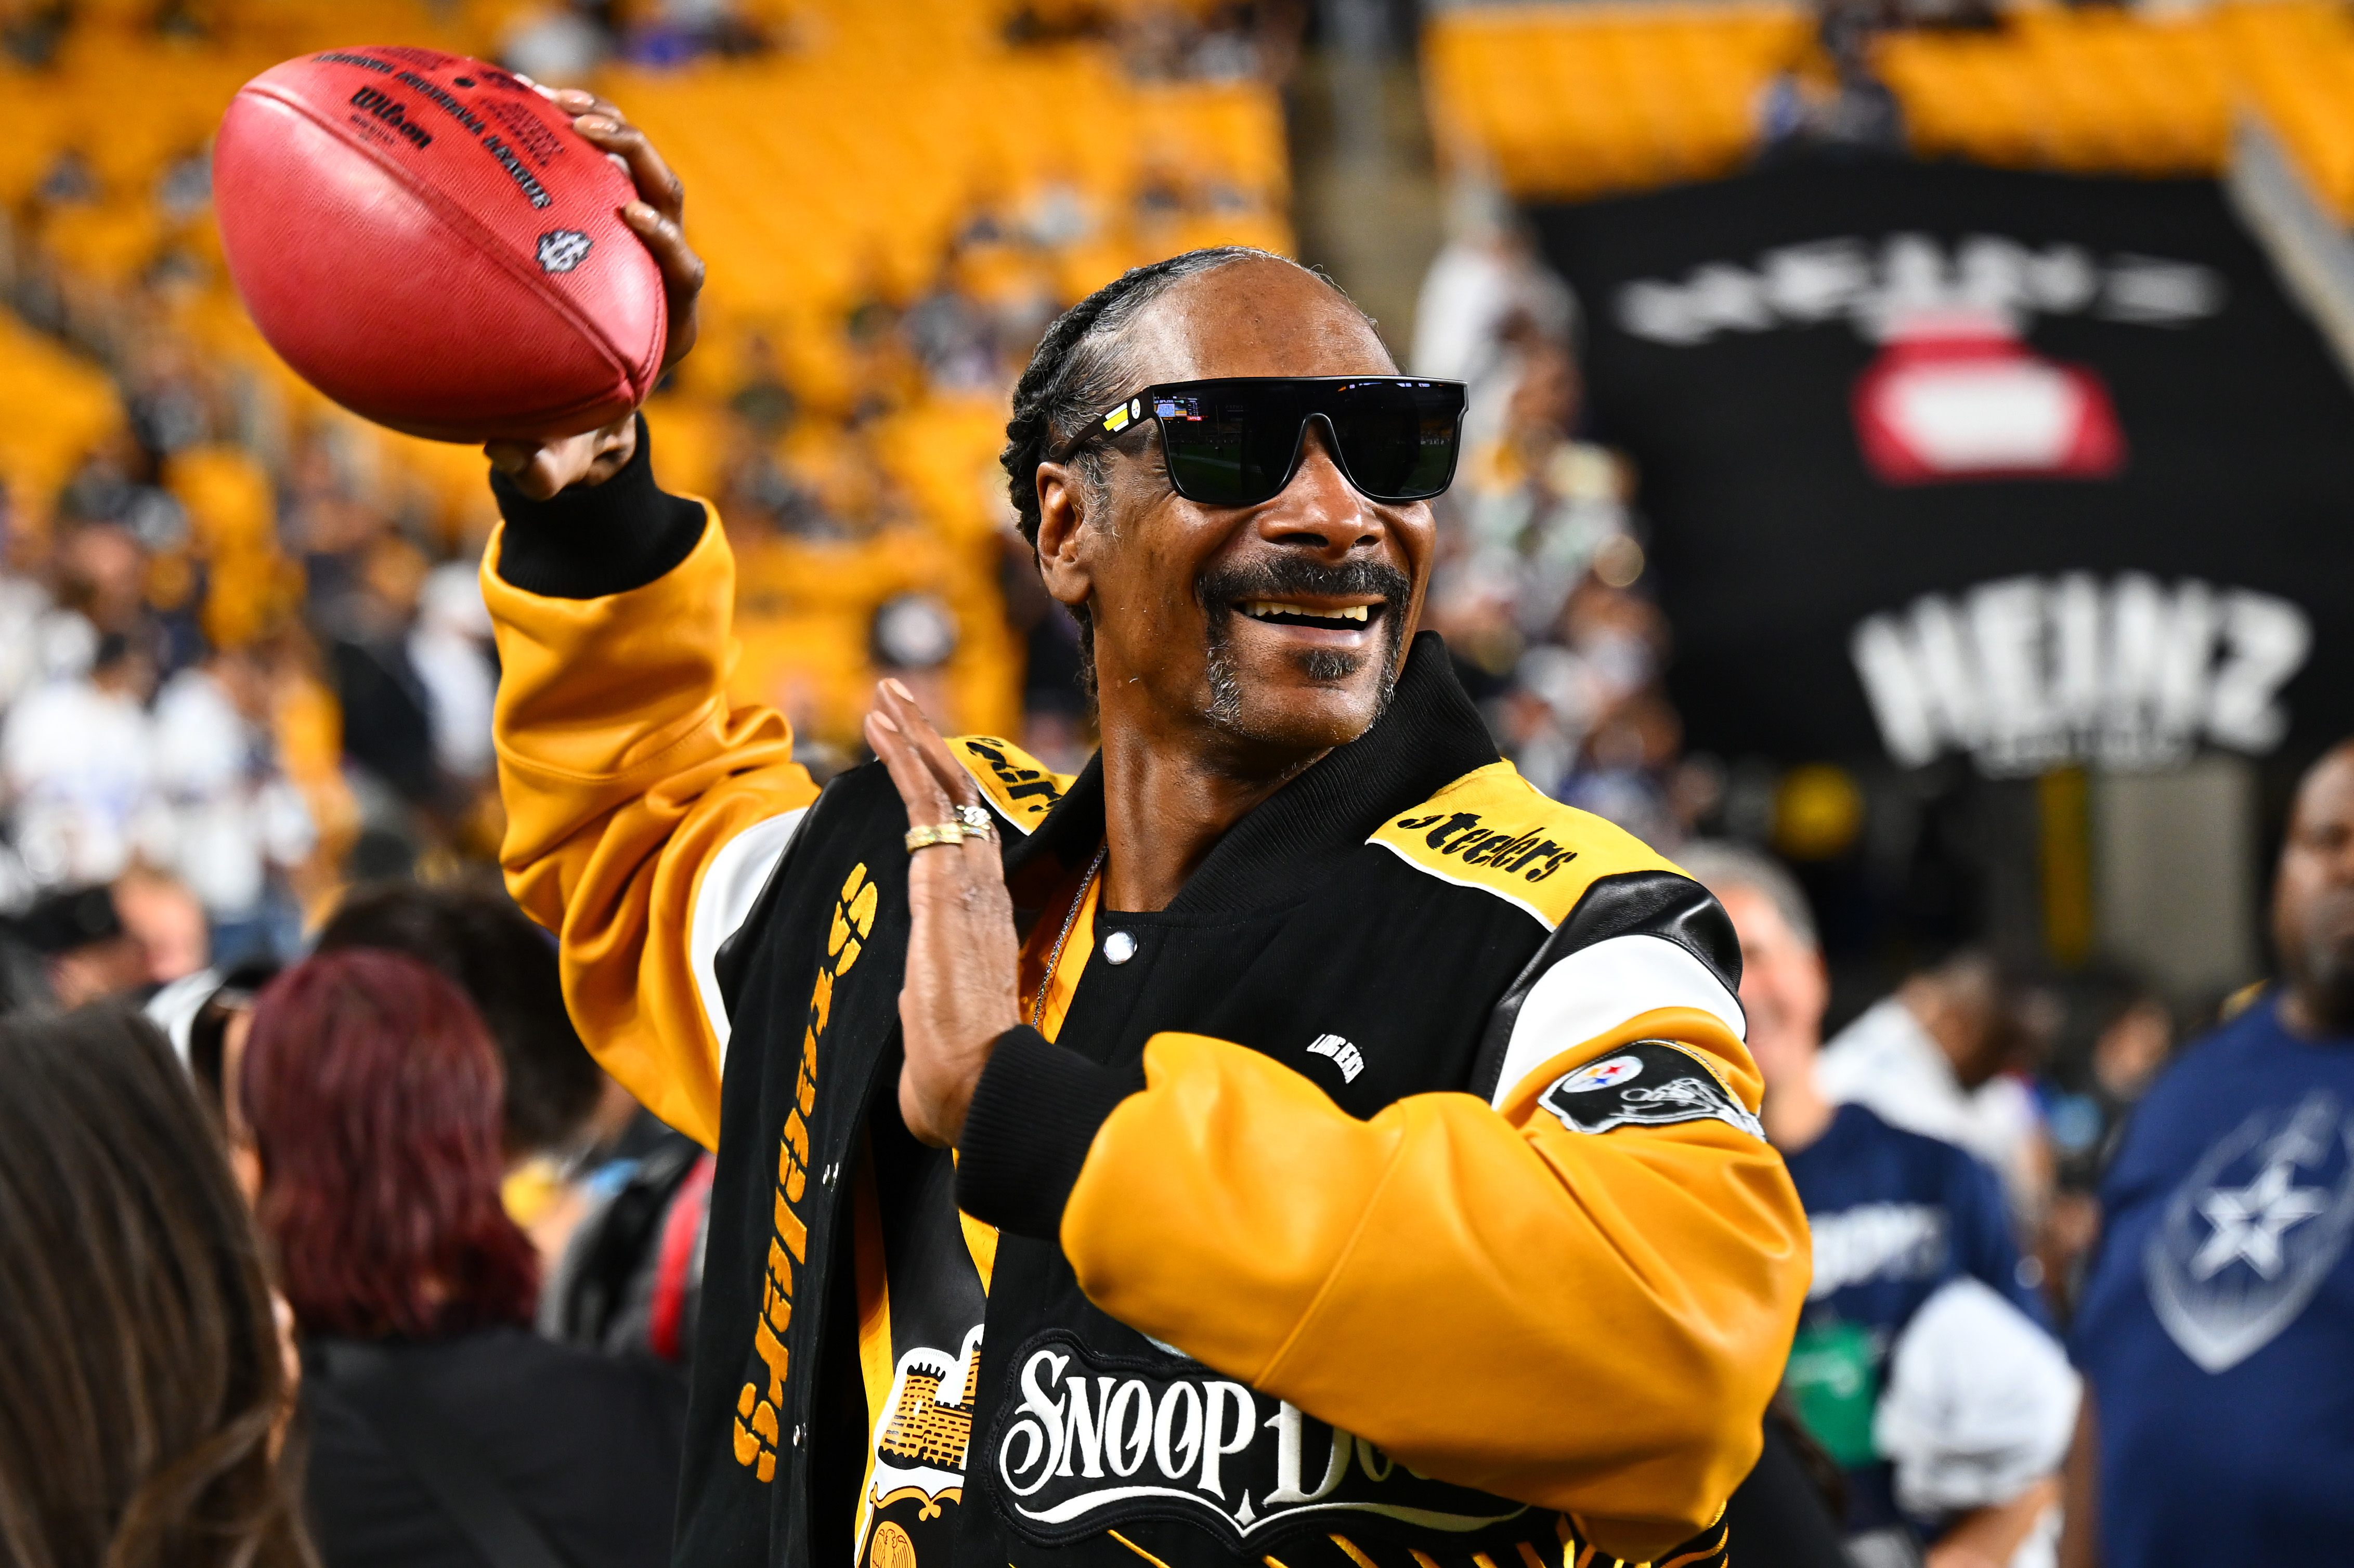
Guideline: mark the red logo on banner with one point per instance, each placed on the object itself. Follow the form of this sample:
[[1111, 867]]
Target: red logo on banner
[[1956, 396]]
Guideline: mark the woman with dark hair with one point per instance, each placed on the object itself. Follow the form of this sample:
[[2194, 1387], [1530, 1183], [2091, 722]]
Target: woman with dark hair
[[444, 1432], [142, 1386]]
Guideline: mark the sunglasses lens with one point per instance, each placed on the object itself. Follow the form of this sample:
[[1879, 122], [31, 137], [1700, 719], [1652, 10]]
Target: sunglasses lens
[[1231, 443], [1398, 441], [1228, 446]]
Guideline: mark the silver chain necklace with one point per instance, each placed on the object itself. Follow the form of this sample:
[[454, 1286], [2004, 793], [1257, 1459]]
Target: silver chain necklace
[[1055, 959]]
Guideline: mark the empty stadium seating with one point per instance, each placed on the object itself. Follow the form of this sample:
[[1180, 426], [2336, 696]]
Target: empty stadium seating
[[1563, 101]]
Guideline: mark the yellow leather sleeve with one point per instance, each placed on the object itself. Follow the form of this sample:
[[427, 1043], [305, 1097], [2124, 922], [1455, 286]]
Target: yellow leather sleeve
[[1588, 1322], [624, 771]]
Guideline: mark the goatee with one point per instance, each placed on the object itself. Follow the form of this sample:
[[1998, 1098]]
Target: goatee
[[1221, 588]]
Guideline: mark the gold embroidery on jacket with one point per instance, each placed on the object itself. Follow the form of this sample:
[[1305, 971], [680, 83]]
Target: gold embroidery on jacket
[[761, 1401], [924, 1431]]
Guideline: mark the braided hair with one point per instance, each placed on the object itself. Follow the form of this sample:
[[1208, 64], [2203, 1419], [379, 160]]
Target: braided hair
[[1074, 373]]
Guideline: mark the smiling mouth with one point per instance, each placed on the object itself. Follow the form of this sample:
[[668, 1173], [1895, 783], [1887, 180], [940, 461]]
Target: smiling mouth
[[1284, 613]]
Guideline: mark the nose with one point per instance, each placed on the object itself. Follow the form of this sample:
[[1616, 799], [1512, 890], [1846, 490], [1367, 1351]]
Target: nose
[[1320, 510]]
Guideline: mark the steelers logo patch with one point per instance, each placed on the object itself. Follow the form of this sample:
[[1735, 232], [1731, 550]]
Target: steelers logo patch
[[1601, 1075], [1652, 1083]]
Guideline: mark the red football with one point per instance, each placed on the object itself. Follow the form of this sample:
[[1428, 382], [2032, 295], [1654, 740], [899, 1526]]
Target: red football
[[427, 241]]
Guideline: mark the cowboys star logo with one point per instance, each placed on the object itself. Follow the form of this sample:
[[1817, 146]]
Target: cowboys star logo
[[2253, 1229]]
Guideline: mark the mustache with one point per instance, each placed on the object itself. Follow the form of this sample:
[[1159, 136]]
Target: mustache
[[1285, 576]]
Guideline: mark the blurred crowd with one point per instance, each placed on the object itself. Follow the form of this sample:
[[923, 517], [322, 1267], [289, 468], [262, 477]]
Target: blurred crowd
[[1539, 587], [244, 662]]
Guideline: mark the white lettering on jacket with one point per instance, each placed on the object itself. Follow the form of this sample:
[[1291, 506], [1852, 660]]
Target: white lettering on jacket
[[1080, 1448]]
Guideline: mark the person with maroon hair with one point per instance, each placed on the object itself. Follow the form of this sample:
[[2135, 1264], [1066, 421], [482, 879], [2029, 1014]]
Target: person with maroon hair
[[444, 1432]]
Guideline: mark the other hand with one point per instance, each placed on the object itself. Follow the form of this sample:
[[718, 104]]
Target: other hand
[[960, 990], [540, 470]]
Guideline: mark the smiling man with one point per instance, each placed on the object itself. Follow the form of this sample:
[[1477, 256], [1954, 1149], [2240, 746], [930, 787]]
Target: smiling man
[[1294, 1140]]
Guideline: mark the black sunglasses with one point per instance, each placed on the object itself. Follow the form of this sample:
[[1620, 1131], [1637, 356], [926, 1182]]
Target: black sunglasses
[[1237, 440]]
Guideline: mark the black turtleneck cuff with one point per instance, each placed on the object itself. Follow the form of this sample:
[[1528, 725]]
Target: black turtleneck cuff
[[1034, 1116], [593, 540]]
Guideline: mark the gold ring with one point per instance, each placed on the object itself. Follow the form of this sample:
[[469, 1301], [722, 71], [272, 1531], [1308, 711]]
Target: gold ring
[[938, 833], [976, 821]]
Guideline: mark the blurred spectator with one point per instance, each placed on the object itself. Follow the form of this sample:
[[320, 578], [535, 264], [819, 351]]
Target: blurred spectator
[[388, 710], [449, 648], [86, 952], [210, 1035], [1535, 591], [2217, 1326], [29, 631], [631, 1278], [1486, 300], [1943, 1057], [372, 1091], [1544, 507], [950, 333], [473, 933], [1924, 1363], [143, 1385], [237, 825], [165, 917], [2123, 1037], [555, 43], [77, 768], [573, 1136], [763, 399], [24, 974], [1847, 112]]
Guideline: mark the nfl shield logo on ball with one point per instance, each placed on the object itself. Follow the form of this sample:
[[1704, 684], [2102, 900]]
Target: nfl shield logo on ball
[[561, 249]]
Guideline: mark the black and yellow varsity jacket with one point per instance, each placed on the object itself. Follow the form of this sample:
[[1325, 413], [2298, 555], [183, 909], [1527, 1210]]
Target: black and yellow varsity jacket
[[1393, 1199]]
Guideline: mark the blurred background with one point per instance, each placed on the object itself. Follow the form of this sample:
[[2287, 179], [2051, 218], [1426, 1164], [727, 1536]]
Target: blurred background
[[1906, 438], [1903, 435]]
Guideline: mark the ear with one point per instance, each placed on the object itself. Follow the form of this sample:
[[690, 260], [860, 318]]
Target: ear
[[1063, 535]]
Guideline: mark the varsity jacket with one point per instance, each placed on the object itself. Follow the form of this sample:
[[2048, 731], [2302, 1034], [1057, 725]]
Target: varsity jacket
[[1393, 1199]]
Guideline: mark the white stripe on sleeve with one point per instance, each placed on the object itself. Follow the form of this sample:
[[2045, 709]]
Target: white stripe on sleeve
[[731, 884], [1599, 987]]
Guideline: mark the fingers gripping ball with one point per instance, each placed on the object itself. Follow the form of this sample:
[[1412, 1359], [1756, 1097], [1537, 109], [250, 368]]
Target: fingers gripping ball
[[427, 241]]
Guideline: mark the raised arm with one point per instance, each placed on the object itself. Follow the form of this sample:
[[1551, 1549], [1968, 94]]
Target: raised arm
[[643, 811]]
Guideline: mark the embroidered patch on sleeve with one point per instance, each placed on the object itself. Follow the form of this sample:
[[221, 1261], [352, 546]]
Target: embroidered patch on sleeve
[[1490, 830], [1650, 1083], [1021, 789]]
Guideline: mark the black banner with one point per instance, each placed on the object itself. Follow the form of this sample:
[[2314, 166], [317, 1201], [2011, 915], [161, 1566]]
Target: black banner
[[1941, 458]]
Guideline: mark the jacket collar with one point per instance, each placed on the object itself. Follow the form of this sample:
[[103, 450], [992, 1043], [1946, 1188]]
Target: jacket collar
[[1430, 736]]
